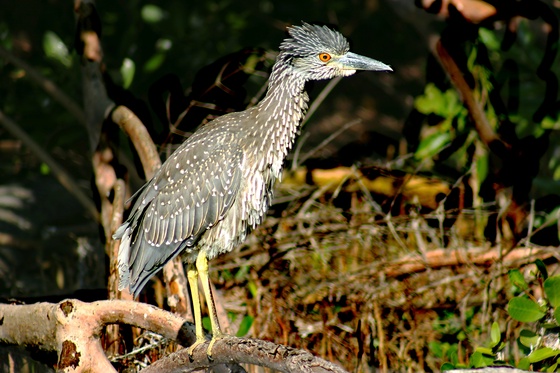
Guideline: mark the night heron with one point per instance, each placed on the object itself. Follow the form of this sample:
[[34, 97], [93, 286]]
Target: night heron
[[218, 184]]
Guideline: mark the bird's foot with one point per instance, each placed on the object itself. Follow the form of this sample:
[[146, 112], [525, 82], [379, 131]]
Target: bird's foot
[[215, 337], [199, 342], [193, 347]]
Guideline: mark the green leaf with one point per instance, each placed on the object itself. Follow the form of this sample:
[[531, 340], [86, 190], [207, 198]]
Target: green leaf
[[250, 65], [517, 279], [552, 368], [245, 325], [206, 323], [433, 144], [429, 102], [524, 310], [154, 62], [44, 169], [447, 366], [226, 274], [528, 338], [557, 315], [452, 104], [555, 169], [56, 49], [479, 360], [482, 167], [552, 217], [542, 354], [549, 325], [242, 272], [489, 38], [485, 351], [495, 335], [252, 288], [551, 123], [452, 354], [524, 364], [436, 348], [433, 101], [127, 72], [552, 290], [152, 13], [542, 268]]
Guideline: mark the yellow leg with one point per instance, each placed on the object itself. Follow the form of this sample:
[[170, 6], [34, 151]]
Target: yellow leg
[[192, 275], [202, 267]]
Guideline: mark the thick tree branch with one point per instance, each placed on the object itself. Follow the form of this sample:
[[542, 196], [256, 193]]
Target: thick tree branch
[[245, 351], [135, 129], [72, 329]]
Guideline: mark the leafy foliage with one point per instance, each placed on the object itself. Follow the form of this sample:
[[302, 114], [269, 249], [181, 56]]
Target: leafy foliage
[[540, 337]]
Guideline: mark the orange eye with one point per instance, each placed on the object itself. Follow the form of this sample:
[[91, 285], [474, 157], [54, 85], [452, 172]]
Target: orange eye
[[325, 57]]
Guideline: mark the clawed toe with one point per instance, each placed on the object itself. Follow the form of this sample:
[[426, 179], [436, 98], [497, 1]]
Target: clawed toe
[[199, 342], [193, 347], [211, 345]]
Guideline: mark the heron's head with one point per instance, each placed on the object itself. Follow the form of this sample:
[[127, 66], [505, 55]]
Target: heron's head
[[317, 52]]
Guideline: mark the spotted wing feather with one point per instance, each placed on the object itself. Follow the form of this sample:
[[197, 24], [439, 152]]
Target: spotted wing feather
[[191, 192]]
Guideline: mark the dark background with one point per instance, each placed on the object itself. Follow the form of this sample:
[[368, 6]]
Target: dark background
[[52, 245]]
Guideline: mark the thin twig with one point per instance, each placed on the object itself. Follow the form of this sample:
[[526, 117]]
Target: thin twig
[[381, 337], [358, 176], [323, 143], [393, 231], [140, 350], [322, 96], [299, 145]]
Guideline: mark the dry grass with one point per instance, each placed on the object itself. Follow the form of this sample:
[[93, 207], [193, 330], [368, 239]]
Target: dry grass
[[333, 274]]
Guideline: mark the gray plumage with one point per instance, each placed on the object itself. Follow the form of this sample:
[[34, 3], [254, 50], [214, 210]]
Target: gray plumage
[[218, 184]]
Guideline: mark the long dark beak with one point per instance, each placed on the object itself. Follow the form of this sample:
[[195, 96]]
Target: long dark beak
[[353, 61]]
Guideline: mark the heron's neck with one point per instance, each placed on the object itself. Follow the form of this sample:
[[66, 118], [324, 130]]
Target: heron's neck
[[280, 113]]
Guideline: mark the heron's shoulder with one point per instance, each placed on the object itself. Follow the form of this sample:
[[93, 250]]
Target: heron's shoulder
[[207, 147], [230, 122]]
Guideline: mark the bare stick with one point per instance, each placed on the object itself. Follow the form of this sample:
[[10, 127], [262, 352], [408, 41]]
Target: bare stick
[[322, 96], [450, 257], [381, 336], [112, 331], [116, 221], [323, 143], [485, 131], [140, 138]]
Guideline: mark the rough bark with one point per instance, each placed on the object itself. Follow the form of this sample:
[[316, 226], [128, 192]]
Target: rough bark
[[73, 328]]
